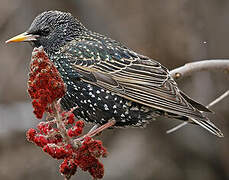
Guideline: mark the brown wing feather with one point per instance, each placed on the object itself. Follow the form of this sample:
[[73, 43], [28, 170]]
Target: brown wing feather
[[112, 66], [142, 81]]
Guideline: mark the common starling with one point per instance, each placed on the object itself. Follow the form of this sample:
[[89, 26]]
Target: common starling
[[107, 80]]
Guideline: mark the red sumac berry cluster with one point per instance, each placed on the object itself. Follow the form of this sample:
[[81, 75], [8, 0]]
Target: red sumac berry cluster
[[59, 135]]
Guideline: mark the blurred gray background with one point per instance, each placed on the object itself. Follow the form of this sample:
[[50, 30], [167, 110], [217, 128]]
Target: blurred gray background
[[173, 32]]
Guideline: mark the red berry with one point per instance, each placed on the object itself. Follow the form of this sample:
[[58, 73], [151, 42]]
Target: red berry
[[31, 134], [45, 84], [68, 167], [71, 118], [40, 140]]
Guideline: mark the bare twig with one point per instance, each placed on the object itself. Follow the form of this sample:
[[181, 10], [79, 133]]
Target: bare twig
[[220, 98], [217, 100], [176, 127], [60, 125], [206, 65]]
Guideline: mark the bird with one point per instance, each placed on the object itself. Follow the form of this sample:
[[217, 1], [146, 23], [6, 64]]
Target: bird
[[106, 80]]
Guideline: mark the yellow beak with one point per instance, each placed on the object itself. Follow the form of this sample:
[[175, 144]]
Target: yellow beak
[[23, 37]]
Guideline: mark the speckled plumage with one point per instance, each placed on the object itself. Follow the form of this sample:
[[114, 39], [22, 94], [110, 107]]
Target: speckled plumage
[[96, 104], [107, 80]]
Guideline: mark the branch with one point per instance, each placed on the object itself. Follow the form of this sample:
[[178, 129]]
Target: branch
[[217, 100], [206, 65], [220, 98]]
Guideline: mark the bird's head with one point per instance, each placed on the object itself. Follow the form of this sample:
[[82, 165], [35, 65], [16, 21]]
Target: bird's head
[[51, 29]]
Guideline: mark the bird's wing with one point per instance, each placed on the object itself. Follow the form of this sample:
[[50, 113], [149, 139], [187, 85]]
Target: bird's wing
[[129, 75], [134, 77]]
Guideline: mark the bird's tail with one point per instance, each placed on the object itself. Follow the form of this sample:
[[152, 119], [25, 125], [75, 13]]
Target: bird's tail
[[208, 125]]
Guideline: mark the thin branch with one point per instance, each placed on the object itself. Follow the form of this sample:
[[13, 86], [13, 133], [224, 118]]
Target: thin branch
[[205, 65], [60, 124], [176, 127], [217, 100]]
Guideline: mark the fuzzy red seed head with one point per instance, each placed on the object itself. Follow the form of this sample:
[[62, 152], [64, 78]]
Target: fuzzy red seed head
[[71, 118], [97, 171], [80, 124], [31, 133], [77, 129], [44, 128], [68, 168], [58, 135], [55, 151], [40, 140], [45, 84]]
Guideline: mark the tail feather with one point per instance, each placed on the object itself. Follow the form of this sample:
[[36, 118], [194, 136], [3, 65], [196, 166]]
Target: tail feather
[[208, 125], [194, 103]]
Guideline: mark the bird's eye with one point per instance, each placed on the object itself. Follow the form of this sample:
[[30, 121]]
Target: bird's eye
[[43, 32]]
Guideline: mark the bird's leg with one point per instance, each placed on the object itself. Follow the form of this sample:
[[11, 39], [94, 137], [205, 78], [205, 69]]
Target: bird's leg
[[100, 129], [93, 128], [96, 131]]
